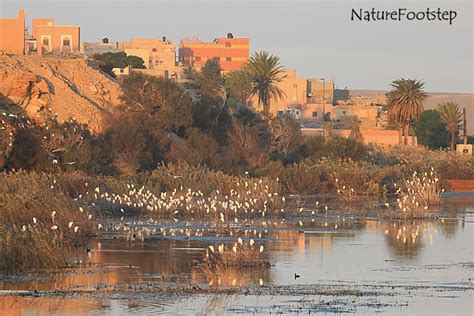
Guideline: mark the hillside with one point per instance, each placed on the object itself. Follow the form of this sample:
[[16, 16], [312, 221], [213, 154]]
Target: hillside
[[61, 87], [463, 99]]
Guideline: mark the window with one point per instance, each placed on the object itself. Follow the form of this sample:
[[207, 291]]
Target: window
[[66, 42], [197, 58], [228, 44], [121, 70], [154, 50], [228, 59], [45, 41], [315, 114], [344, 112]]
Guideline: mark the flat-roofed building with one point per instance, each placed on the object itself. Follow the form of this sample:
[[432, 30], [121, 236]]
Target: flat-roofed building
[[231, 52], [102, 47], [51, 38], [159, 55], [12, 34]]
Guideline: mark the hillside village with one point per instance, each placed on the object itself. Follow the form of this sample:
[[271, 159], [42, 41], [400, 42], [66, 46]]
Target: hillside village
[[314, 102]]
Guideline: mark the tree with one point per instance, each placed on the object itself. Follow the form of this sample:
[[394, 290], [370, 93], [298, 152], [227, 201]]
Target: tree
[[354, 126], [287, 137], [451, 116], [266, 73], [239, 83], [209, 78], [429, 130], [250, 139], [160, 99], [405, 103], [109, 60]]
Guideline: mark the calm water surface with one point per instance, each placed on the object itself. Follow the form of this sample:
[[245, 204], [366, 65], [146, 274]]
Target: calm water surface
[[334, 262]]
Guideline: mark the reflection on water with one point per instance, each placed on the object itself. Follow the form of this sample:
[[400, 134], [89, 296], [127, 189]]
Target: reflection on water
[[334, 246]]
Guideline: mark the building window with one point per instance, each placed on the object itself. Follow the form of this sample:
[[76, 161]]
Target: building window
[[228, 44], [66, 42], [121, 70], [45, 41], [197, 58], [315, 114], [228, 59], [344, 112], [154, 50]]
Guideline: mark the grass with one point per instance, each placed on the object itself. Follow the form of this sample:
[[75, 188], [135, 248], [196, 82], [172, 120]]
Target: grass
[[222, 262], [35, 217], [44, 217], [418, 194]]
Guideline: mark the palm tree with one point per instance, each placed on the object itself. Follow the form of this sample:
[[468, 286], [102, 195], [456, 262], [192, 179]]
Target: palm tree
[[451, 116], [405, 103], [266, 73]]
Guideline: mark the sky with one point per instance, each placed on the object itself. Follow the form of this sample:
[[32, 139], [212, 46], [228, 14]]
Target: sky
[[315, 37]]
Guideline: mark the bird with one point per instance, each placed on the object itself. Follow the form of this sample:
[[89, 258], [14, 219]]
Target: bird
[[297, 276]]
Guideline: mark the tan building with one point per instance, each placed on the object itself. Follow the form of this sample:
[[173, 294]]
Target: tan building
[[102, 47], [12, 34], [159, 55], [51, 38], [319, 90], [368, 115]]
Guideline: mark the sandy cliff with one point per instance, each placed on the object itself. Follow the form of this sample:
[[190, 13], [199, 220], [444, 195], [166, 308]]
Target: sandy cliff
[[58, 87]]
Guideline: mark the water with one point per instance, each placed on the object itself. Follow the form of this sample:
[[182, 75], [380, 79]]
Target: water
[[335, 262]]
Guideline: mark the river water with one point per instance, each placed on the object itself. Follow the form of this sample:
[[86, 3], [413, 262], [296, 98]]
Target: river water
[[344, 260]]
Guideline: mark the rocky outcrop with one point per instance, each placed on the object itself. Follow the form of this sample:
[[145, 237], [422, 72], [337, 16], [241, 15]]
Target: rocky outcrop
[[59, 87]]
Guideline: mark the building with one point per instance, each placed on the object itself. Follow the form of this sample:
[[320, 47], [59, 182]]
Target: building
[[231, 52], [51, 38], [102, 47], [368, 115], [320, 90], [12, 34], [308, 100], [159, 55]]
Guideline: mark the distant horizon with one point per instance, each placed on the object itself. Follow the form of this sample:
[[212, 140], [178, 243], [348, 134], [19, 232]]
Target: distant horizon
[[316, 37]]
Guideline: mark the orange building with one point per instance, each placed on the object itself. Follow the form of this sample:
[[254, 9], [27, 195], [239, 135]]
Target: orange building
[[12, 34], [52, 38], [232, 52]]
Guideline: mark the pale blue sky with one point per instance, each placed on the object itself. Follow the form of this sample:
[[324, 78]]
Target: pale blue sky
[[315, 37]]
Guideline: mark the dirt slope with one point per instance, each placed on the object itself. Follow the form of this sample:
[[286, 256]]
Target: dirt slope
[[61, 87]]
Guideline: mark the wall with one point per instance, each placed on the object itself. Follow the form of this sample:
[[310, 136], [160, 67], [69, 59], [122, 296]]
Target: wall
[[92, 48], [385, 138], [12, 34], [37, 22]]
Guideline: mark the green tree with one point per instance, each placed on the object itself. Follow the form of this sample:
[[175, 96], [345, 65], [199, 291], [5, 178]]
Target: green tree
[[430, 130], [239, 83], [210, 78], [405, 103], [108, 61], [266, 73], [162, 100], [451, 116]]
